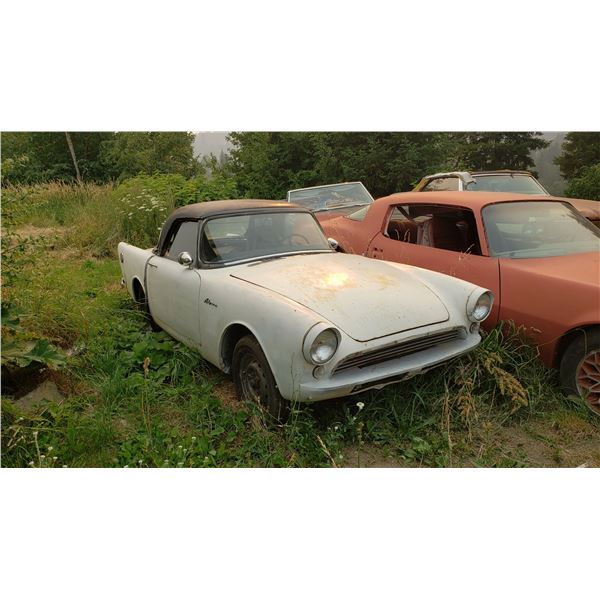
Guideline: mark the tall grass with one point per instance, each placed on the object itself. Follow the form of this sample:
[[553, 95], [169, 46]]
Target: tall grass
[[93, 218]]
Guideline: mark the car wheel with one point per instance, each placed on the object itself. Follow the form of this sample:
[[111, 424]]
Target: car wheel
[[580, 368], [254, 379], [142, 304]]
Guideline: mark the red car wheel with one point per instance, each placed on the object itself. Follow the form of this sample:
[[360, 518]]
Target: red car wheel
[[588, 379]]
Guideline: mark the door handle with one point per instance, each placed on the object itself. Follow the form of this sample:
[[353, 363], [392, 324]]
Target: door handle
[[153, 266]]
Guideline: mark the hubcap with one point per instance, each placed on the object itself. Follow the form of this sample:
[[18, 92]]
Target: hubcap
[[588, 379]]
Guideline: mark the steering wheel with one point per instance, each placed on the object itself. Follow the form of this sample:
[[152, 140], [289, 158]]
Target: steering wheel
[[288, 238]]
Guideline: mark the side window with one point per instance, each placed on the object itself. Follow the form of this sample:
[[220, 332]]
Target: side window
[[442, 184], [444, 227], [182, 238]]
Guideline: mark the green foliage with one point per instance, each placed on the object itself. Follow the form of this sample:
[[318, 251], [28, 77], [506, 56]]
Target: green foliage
[[266, 165], [176, 190], [478, 151], [132, 153], [580, 150], [384, 162], [145, 201], [586, 185], [19, 347], [44, 156], [20, 351]]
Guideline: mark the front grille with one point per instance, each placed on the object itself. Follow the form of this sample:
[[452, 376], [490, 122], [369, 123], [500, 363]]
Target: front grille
[[380, 355]]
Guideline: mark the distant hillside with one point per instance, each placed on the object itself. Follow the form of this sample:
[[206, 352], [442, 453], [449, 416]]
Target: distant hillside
[[548, 172]]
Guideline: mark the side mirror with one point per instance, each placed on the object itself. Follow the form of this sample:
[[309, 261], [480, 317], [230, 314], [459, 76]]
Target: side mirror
[[185, 259], [333, 243]]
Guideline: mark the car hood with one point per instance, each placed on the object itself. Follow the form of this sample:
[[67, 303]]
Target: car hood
[[365, 298], [333, 213]]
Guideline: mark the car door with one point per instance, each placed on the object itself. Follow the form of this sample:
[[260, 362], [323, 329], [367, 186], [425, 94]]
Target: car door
[[173, 289], [446, 239]]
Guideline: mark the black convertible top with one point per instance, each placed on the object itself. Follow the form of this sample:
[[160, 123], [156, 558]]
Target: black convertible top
[[202, 210]]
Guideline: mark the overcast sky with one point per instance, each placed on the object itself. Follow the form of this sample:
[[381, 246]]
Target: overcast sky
[[210, 141]]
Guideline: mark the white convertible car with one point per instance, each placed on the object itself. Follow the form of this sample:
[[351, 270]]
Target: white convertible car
[[259, 291]]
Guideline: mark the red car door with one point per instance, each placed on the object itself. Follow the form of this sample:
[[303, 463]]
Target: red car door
[[440, 238]]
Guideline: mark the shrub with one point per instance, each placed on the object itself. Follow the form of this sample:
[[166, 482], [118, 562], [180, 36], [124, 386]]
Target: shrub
[[176, 190], [587, 185]]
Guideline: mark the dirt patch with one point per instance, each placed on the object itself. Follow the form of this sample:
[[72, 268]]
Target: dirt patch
[[225, 392], [566, 441], [37, 232], [67, 253], [371, 457], [39, 398]]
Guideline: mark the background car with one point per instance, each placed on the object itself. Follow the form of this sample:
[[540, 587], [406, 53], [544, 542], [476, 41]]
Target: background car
[[540, 258], [256, 288], [331, 200], [519, 182]]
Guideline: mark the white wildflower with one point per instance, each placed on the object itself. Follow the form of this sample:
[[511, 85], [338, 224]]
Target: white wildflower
[[360, 405]]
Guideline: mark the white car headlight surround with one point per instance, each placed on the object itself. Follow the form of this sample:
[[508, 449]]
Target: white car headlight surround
[[479, 305], [320, 344]]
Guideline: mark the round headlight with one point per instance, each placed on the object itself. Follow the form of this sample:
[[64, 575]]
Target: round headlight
[[324, 346], [482, 307]]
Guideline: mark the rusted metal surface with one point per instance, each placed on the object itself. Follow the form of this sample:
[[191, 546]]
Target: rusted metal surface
[[550, 297]]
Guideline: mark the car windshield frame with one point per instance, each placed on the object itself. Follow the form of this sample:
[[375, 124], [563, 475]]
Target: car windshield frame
[[213, 264], [324, 205], [572, 246], [471, 186]]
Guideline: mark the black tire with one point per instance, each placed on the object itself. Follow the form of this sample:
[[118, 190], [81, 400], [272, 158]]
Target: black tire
[[254, 379], [142, 303], [580, 368]]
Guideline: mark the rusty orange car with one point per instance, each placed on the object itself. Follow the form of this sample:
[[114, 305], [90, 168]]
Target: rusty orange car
[[540, 258]]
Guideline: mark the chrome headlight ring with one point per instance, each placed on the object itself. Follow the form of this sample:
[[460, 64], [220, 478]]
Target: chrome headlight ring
[[479, 305], [320, 344]]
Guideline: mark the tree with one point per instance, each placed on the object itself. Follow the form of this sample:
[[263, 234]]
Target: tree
[[34, 157], [581, 149], [486, 151], [73, 155], [147, 152], [266, 165], [586, 185], [384, 162]]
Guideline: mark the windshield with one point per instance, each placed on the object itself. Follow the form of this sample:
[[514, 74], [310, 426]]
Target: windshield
[[331, 197], [537, 229], [242, 237], [520, 184]]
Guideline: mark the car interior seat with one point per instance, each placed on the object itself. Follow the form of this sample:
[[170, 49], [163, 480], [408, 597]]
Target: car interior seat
[[444, 233], [403, 231]]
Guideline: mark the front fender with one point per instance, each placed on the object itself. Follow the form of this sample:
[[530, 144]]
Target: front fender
[[278, 324]]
